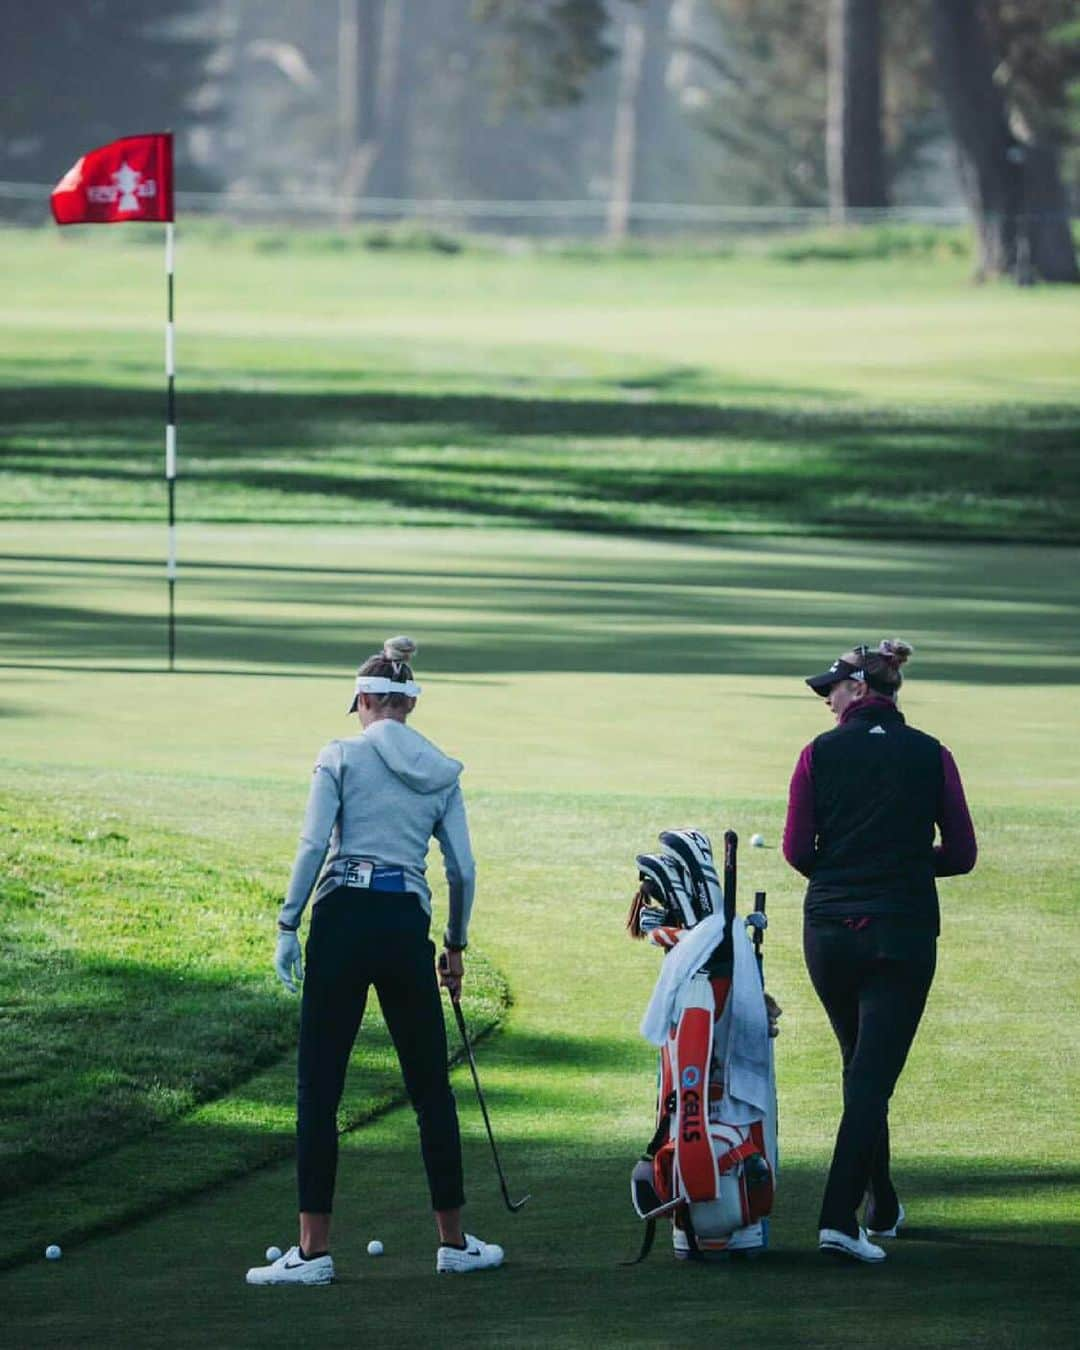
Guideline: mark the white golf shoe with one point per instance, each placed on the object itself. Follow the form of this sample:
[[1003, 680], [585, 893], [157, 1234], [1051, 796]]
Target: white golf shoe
[[859, 1249], [475, 1255], [888, 1232], [293, 1269]]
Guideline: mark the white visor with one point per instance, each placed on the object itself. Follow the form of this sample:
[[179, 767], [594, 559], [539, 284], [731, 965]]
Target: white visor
[[381, 684]]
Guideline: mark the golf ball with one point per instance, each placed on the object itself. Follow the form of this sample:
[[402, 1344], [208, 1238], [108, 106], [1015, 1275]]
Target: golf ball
[[757, 841], [374, 1247], [53, 1252], [273, 1253]]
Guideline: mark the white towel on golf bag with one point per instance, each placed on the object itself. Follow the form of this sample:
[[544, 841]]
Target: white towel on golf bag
[[748, 1087], [748, 1092], [680, 966]]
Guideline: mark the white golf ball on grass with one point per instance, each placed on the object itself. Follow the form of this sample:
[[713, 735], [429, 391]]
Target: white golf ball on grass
[[273, 1253], [53, 1252], [757, 841], [374, 1247]]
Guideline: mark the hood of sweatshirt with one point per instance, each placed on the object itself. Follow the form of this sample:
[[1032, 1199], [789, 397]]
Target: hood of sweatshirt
[[420, 765]]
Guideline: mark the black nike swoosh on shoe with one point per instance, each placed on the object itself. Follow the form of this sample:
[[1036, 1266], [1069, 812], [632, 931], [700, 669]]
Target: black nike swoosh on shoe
[[294, 1265]]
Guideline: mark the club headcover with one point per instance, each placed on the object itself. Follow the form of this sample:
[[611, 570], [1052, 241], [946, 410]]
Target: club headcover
[[672, 882], [694, 850]]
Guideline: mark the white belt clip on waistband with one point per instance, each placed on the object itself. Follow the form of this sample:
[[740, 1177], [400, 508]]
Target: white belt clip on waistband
[[358, 872]]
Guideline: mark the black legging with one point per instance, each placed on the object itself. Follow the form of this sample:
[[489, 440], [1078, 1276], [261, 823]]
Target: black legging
[[873, 983], [361, 938]]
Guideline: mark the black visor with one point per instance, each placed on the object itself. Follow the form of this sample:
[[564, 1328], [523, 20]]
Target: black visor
[[839, 670]]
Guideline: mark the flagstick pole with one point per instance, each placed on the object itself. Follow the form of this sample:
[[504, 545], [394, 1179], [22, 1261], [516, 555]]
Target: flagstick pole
[[170, 434]]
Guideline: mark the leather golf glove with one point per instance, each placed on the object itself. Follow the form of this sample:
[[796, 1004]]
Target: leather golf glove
[[287, 962]]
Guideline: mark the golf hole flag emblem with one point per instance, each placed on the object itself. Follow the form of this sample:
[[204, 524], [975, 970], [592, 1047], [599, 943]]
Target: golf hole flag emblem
[[128, 179]]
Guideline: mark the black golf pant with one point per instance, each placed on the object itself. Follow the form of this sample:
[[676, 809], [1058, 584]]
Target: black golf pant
[[361, 938], [873, 983]]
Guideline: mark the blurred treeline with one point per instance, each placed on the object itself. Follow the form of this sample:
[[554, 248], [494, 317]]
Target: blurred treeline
[[853, 105]]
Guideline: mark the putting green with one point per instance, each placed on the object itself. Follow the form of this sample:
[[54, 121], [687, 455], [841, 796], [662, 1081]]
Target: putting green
[[599, 690]]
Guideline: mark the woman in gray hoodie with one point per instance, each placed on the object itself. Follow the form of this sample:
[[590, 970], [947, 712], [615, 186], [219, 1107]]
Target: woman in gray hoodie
[[376, 801]]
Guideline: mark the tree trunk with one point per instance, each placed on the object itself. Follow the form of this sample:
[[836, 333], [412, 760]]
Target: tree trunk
[[1046, 243], [624, 140], [987, 155], [657, 139], [398, 43], [854, 149], [358, 76]]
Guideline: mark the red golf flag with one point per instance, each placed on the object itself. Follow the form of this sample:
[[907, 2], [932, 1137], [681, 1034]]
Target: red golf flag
[[128, 179]]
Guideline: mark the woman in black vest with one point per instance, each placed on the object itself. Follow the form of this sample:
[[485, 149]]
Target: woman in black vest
[[864, 802]]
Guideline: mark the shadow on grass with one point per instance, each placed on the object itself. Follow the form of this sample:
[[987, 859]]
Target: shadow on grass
[[963, 1282], [98, 1052], [956, 1277], [767, 607], [667, 466], [140, 1087]]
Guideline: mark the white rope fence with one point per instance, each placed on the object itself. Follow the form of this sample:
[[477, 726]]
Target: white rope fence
[[570, 216]]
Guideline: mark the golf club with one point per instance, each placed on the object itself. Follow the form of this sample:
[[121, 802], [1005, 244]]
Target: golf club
[[511, 1205]]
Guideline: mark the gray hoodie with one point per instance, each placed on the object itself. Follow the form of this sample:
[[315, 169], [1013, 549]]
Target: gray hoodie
[[381, 797]]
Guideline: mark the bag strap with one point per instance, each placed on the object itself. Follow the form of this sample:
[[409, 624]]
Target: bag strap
[[736, 1155], [691, 1236], [663, 1128]]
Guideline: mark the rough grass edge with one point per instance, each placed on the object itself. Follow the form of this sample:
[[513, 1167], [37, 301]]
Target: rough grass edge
[[100, 1187]]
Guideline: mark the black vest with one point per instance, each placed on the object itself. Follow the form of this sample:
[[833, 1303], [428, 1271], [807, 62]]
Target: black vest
[[878, 787]]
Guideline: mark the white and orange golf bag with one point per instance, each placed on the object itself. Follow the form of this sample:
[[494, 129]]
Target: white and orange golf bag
[[711, 1164]]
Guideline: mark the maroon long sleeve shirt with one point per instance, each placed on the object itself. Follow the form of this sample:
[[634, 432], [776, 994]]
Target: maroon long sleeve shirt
[[953, 856]]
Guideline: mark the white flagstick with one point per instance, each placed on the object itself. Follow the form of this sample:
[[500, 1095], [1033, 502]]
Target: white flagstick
[[170, 436]]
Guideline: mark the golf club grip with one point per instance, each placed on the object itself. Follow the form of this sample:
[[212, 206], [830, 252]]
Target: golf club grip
[[759, 933], [731, 871]]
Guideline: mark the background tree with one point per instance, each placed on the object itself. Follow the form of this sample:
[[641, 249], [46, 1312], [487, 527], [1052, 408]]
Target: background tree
[[546, 51], [854, 142], [1039, 60], [1001, 82], [82, 73], [763, 75], [643, 53]]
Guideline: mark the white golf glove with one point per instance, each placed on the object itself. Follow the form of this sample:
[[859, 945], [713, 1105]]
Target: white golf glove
[[287, 962]]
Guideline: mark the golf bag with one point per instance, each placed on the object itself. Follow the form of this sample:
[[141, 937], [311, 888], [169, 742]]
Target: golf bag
[[711, 1164]]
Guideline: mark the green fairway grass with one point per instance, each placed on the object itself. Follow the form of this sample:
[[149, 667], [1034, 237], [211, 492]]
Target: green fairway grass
[[625, 504], [599, 690], [661, 394]]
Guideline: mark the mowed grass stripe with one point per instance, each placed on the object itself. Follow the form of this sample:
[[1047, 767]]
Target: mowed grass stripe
[[736, 394]]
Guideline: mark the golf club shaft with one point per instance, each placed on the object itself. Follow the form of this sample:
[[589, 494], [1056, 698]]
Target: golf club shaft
[[460, 1017]]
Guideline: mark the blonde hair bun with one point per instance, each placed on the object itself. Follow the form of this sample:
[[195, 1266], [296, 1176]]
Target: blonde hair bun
[[896, 650], [399, 649]]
